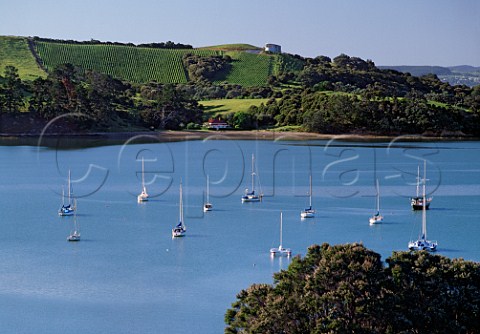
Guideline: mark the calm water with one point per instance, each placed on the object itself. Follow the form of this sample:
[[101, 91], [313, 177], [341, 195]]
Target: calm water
[[128, 275]]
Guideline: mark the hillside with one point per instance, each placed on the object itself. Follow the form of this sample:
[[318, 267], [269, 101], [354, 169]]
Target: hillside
[[14, 51], [250, 67]]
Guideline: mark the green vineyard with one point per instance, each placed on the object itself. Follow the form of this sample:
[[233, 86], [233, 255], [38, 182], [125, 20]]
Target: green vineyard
[[250, 69], [124, 62]]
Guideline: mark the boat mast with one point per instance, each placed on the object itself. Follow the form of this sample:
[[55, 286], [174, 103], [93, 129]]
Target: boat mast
[[424, 204], [281, 221], [75, 219], [378, 198], [310, 190], [181, 205], [253, 172], [208, 190], [69, 188], [143, 176], [418, 179]]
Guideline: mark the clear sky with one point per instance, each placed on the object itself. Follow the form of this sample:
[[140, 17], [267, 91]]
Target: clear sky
[[389, 32]]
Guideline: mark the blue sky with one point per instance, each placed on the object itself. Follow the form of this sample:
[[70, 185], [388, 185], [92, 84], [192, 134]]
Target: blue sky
[[389, 32]]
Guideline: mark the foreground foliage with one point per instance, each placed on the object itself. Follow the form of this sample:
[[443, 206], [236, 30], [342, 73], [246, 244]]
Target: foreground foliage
[[347, 289]]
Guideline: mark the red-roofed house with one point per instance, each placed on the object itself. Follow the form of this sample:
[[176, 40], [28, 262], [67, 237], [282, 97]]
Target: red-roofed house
[[217, 124]]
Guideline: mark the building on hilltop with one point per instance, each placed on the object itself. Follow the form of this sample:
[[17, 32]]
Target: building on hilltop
[[273, 48]]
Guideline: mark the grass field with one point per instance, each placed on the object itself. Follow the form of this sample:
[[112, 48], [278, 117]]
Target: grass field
[[14, 51], [221, 107]]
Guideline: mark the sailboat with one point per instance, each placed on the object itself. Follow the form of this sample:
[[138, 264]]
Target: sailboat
[[422, 243], [281, 251], [67, 209], [250, 196], [75, 234], [180, 229], [377, 217], [207, 206], [308, 212], [143, 197], [417, 201]]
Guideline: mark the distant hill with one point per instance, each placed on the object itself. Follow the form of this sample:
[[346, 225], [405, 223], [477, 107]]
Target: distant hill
[[455, 75], [419, 70], [465, 69], [250, 66]]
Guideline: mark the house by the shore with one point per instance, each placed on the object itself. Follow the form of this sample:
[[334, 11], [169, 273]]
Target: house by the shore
[[217, 124]]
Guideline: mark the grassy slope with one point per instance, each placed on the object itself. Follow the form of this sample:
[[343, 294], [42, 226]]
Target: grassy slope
[[232, 47], [221, 107], [14, 51]]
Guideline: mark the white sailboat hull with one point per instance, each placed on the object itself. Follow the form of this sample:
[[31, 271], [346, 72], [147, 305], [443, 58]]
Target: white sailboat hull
[[178, 232], [422, 244], [307, 214], [377, 219], [207, 207], [66, 212], [249, 198], [143, 197], [280, 251], [75, 236]]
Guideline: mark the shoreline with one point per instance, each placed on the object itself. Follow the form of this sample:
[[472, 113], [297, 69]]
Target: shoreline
[[113, 138]]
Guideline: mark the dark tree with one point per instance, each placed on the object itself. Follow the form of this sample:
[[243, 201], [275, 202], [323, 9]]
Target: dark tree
[[11, 92], [347, 289]]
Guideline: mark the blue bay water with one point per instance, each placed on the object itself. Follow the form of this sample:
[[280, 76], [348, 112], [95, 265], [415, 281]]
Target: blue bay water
[[128, 275]]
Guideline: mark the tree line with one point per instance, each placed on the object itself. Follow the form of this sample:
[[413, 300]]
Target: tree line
[[361, 113], [347, 289], [154, 45], [101, 101]]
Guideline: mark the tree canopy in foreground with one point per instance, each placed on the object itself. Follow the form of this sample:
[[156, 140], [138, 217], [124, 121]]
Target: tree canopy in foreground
[[347, 289]]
